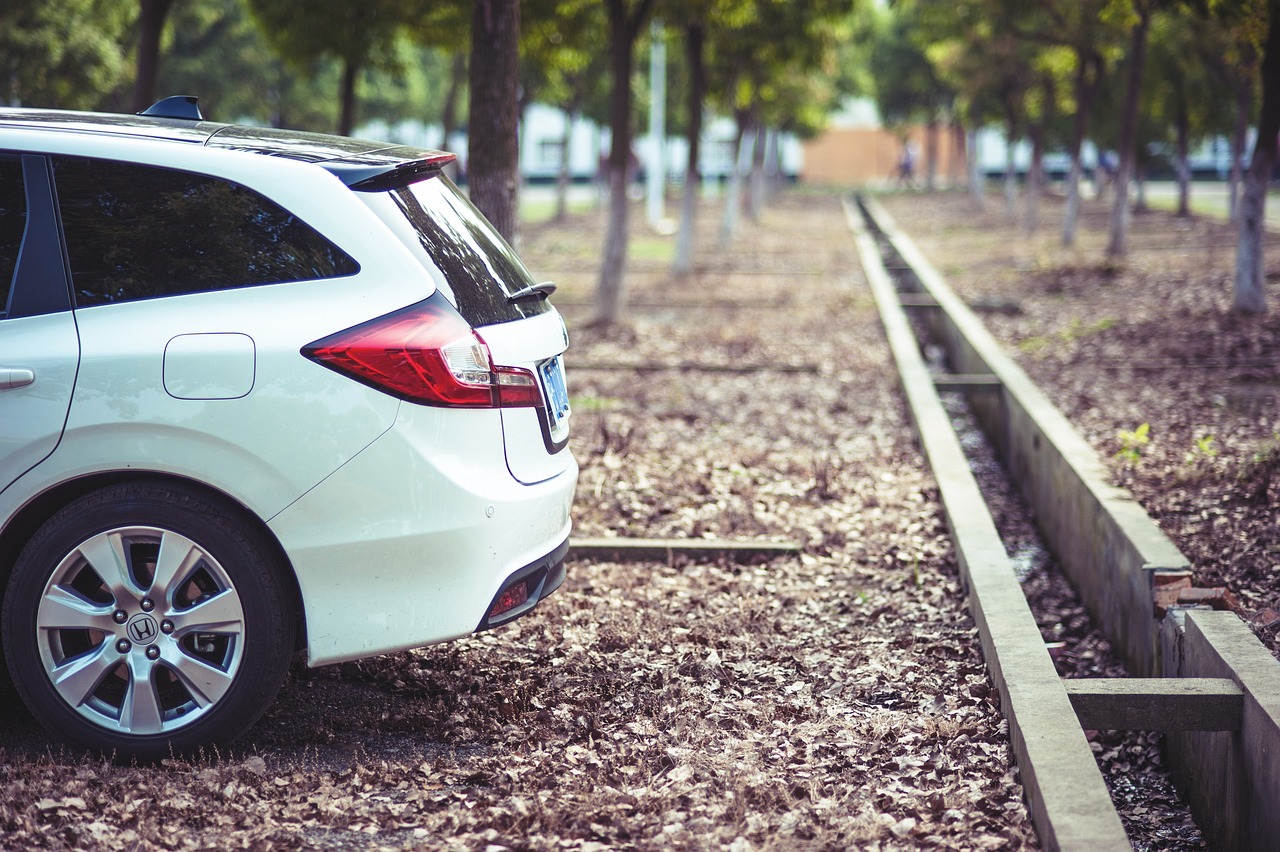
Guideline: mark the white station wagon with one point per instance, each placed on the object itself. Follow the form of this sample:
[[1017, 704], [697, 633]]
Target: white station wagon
[[259, 391]]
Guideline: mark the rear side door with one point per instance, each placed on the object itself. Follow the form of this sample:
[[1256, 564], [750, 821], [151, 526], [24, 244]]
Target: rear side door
[[39, 347]]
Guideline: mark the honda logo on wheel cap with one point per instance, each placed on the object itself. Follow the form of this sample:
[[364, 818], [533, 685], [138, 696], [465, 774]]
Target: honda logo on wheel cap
[[143, 629]]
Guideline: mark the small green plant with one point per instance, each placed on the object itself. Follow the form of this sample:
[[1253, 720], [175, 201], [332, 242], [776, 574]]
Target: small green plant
[[1033, 345], [1202, 448], [1261, 470], [594, 403], [1131, 443]]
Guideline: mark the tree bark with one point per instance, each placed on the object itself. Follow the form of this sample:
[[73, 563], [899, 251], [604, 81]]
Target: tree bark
[[1250, 279], [1010, 174], [1119, 229], [956, 164], [1183, 130], [695, 38], [493, 154], [1085, 87], [977, 181], [564, 178], [931, 155], [1244, 103], [150, 28], [347, 120], [1035, 178], [755, 201], [624, 26], [449, 113], [733, 193]]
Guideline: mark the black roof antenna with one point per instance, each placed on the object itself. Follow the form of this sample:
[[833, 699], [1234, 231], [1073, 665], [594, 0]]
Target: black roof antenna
[[178, 106]]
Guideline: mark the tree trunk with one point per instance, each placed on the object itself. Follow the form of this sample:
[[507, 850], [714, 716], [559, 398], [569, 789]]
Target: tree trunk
[[733, 193], [695, 38], [1035, 179], [623, 29], [1010, 175], [956, 165], [564, 178], [977, 181], [755, 201], [493, 144], [347, 120], [773, 162], [931, 155], [1119, 230], [1183, 130], [150, 27], [1084, 102], [1250, 279], [449, 113], [1244, 104]]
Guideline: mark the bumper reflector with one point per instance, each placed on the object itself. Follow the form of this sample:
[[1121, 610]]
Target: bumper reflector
[[510, 598]]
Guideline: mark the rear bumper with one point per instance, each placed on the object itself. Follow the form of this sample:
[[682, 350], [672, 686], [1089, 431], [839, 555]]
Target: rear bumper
[[413, 541]]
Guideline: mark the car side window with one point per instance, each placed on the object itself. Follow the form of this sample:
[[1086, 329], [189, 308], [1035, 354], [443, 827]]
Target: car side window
[[13, 224], [141, 232]]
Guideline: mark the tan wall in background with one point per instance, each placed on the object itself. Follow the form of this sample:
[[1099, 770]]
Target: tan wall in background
[[861, 156]]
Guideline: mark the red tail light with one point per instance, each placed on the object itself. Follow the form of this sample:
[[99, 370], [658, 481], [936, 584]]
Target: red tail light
[[426, 353]]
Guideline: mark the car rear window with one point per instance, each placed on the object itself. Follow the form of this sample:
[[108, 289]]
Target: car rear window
[[140, 232], [444, 230]]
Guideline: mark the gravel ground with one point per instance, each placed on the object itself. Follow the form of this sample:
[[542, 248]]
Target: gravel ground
[[833, 700]]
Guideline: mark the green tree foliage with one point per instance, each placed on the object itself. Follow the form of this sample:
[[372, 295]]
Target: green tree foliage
[[213, 47], [561, 65], [908, 87], [358, 35], [62, 53], [774, 63]]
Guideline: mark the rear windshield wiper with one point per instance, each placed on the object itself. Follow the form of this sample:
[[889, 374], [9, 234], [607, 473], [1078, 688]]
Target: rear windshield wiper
[[539, 291]]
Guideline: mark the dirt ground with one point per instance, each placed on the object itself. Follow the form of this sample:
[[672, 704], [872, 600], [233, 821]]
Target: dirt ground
[[1180, 395], [831, 700]]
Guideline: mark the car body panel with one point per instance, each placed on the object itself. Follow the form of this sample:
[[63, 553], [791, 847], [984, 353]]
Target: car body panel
[[39, 355]]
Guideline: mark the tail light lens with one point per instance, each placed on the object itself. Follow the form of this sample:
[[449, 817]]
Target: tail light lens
[[426, 353]]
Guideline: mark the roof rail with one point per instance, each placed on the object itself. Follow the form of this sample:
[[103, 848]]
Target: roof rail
[[178, 106]]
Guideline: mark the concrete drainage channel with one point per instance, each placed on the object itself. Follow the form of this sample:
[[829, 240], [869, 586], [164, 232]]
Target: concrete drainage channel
[[1202, 677]]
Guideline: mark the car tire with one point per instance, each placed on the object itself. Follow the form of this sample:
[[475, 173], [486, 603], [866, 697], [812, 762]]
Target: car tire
[[148, 619]]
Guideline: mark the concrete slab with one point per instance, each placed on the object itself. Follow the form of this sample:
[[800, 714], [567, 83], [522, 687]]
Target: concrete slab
[[664, 549], [1157, 704]]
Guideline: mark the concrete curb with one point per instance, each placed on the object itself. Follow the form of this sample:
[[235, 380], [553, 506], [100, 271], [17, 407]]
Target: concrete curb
[[1121, 563], [1069, 802]]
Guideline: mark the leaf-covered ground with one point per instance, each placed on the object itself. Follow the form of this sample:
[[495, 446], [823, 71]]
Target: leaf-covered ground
[[1144, 355], [833, 700]]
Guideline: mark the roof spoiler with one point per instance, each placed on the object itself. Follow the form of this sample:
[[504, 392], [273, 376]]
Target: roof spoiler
[[367, 178], [178, 106]]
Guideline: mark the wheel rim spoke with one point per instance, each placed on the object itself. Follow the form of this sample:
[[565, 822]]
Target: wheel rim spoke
[[177, 559], [106, 556], [140, 711], [63, 609], [80, 677], [221, 613], [206, 683]]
